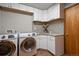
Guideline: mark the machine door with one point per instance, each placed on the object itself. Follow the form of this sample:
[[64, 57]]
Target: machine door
[[28, 44], [7, 48]]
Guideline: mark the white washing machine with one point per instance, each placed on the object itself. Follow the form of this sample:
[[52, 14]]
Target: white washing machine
[[27, 44], [8, 45]]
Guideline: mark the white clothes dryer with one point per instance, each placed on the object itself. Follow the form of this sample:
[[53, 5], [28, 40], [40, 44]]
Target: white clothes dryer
[[8, 45], [27, 44]]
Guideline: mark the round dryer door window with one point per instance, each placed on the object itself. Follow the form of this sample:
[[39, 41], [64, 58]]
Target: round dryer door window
[[28, 44], [7, 48]]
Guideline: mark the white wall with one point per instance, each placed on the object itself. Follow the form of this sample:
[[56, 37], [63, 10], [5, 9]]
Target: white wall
[[37, 28], [42, 15], [68, 4], [57, 27], [16, 22]]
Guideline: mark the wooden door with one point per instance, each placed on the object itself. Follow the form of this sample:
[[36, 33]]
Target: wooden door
[[72, 30]]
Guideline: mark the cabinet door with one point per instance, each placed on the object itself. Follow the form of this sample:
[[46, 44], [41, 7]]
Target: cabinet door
[[51, 44], [56, 11], [43, 42], [35, 14], [44, 15], [37, 42], [40, 15]]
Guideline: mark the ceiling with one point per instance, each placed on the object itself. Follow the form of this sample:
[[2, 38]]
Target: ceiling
[[42, 6]]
